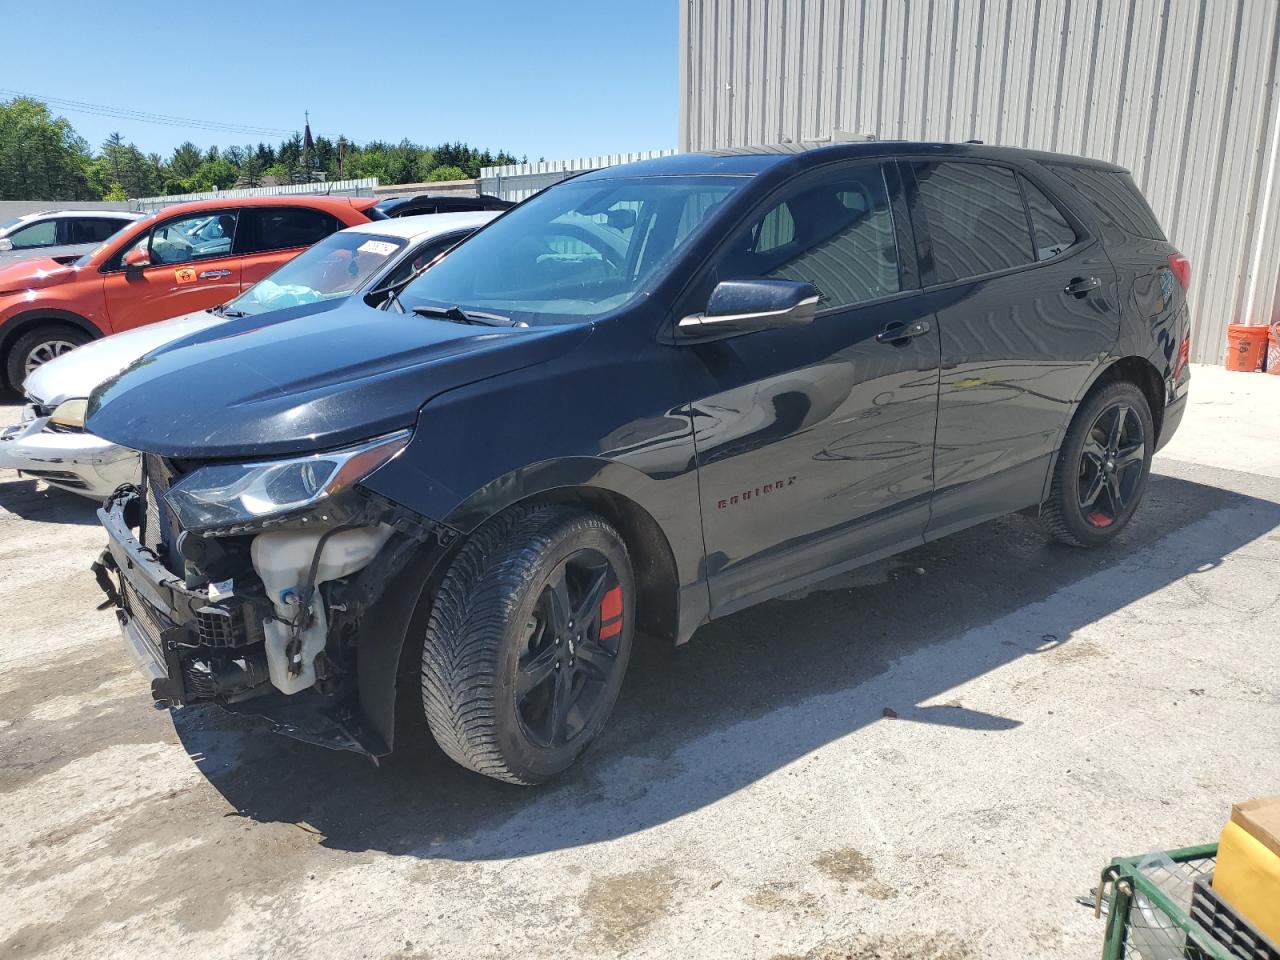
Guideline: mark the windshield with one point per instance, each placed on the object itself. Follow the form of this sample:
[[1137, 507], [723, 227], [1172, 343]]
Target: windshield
[[337, 266], [576, 252], [6, 224]]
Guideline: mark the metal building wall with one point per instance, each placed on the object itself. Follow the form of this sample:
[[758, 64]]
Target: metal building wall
[[1182, 92]]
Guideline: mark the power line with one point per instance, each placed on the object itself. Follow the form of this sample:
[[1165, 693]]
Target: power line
[[142, 116]]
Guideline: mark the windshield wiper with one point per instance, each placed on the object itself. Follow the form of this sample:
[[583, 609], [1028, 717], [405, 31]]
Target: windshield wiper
[[222, 311], [458, 315]]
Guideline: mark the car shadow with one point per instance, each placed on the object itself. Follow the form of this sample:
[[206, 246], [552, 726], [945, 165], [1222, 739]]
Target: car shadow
[[32, 500], [750, 693]]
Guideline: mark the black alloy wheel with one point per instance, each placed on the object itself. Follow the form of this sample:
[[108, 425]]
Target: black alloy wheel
[[1102, 467], [1111, 463], [571, 647], [527, 642]]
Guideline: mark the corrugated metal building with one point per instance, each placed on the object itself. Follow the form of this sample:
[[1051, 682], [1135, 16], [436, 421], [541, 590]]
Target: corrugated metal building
[[1182, 92]]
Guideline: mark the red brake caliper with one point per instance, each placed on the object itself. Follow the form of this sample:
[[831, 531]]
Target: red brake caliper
[[611, 614]]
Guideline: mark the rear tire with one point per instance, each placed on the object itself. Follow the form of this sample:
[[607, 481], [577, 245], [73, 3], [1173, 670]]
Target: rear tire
[[38, 346], [1102, 468], [528, 641]]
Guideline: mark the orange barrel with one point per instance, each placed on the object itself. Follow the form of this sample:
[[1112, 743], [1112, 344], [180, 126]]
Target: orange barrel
[[1273, 351], [1245, 346]]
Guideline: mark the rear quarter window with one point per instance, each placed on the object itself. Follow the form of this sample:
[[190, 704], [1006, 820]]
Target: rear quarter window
[[1114, 198]]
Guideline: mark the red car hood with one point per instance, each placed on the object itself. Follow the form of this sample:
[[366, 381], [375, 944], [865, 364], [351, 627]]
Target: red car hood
[[35, 275]]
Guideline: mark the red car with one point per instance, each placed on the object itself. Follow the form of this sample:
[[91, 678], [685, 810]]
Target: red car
[[187, 257]]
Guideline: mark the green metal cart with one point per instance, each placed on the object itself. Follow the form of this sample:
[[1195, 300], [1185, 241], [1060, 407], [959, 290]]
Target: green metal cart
[[1156, 910]]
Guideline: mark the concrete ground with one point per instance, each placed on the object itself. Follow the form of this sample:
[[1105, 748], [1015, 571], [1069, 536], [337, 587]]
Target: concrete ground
[[752, 797]]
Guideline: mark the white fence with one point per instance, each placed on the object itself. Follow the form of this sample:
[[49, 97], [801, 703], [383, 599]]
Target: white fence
[[363, 187], [520, 180]]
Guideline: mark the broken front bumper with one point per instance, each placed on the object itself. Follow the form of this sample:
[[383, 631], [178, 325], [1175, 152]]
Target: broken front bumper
[[195, 649], [77, 462], [158, 615]]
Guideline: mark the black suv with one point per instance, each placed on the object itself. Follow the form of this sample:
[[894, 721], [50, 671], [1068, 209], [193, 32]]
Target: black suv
[[645, 398]]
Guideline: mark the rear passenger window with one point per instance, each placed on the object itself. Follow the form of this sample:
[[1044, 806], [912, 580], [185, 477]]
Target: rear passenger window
[[975, 219], [1114, 197], [93, 230], [1050, 230], [279, 229], [836, 233]]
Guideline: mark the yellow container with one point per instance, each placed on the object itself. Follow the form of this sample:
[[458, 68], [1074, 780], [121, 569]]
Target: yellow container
[[1247, 874]]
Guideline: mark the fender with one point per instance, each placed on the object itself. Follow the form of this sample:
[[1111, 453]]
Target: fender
[[1160, 354], [671, 581], [20, 321]]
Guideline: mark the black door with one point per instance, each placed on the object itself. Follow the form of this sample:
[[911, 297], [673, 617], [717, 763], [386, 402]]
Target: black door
[[1026, 309], [815, 443]]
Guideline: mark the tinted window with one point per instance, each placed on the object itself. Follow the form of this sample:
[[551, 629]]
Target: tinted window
[[581, 249], [190, 238], [1115, 198], [40, 234], [422, 256], [1049, 227], [836, 233], [285, 227], [976, 221], [87, 230]]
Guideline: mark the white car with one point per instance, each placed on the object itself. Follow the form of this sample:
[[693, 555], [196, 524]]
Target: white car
[[63, 235], [50, 442]]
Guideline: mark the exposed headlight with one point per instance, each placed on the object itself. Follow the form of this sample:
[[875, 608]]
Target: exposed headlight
[[69, 414], [226, 494]]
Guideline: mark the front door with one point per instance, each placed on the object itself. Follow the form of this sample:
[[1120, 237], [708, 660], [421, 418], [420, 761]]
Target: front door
[[189, 266], [815, 443], [1026, 308]]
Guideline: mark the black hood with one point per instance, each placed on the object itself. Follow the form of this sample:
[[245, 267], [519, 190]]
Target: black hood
[[292, 382]]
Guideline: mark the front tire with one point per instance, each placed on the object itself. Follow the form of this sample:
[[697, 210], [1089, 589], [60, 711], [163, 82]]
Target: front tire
[[1102, 468], [37, 347], [527, 642]]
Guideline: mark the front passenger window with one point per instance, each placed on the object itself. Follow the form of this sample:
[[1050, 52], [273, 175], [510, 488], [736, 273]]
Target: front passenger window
[[193, 238], [836, 233]]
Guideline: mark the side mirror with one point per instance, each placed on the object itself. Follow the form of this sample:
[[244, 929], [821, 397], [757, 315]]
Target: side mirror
[[134, 260], [744, 306], [5, 244], [137, 257]]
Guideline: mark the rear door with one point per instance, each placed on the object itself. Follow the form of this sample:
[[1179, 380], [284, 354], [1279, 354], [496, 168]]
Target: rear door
[[275, 235], [815, 443], [1026, 307], [191, 266]]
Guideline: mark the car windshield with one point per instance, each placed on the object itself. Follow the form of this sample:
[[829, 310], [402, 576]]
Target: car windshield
[[576, 252], [6, 224], [335, 267]]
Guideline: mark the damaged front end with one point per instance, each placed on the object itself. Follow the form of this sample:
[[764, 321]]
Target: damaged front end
[[256, 586]]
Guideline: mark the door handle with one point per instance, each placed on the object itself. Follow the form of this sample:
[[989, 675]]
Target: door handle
[[899, 332], [1080, 286], [214, 274]]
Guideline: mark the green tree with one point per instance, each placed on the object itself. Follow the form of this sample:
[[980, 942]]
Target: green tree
[[124, 164], [448, 172], [185, 161], [41, 156]]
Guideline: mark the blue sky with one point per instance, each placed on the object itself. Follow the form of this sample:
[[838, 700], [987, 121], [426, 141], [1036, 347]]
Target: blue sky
[[547, 78]]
